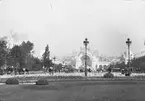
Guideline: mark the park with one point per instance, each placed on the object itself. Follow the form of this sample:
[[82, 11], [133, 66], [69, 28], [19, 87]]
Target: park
[[45, 80], [72, 50], [70, 84], [73, 85]]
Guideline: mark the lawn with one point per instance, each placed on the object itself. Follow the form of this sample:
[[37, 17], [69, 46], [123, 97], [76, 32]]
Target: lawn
[[75, 91]]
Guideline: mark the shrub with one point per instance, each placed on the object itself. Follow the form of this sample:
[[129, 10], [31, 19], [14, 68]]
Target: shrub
[[42, 82], [108, 75], [12, 81]]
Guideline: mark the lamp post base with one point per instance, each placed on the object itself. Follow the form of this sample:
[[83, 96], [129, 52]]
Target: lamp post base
[[127, 72]]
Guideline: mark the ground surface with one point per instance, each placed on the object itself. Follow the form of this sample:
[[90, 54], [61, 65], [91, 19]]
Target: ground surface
[[76, 91], [40, 73]]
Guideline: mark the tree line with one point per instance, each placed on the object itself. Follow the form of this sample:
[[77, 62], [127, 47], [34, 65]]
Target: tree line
[[136, 64], [21, 56]]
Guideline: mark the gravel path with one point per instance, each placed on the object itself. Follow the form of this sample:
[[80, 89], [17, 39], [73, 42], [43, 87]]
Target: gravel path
[[69, 74]]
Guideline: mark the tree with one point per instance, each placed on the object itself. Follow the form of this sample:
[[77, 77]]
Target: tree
[[138, 64], [3, 52], [69, 68], [17, 55], [58, 67], [46, 58], [37, 64], [26, 48], [21, 55]]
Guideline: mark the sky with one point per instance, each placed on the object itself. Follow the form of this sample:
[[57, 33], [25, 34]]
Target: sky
[[64, 24]]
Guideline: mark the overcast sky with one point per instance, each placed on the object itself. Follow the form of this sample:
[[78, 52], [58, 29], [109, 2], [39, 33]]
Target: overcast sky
[[64, 24]]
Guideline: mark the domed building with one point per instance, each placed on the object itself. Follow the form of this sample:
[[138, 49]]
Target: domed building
[[93, 61]]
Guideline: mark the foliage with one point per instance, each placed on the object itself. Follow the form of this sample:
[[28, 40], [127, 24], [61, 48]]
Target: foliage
[[58, 67], [17, 55], [21, 55], [36, 67], [3, 52], [42, 82], [46, 58], [69, 68], [12, 81], [46, 54], [139, 64], [118, 65], [108, 75], [26, 48], [34, 64]]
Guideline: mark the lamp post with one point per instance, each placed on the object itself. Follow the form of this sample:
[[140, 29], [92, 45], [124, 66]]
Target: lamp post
[[128, 42], [86, 42]]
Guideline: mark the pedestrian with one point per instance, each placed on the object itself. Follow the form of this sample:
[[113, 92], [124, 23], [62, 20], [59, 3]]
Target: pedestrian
[[51, 70]]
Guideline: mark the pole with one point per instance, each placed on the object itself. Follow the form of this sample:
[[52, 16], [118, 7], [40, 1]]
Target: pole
[[128, 56], [128, 42], [85, 43], [85, 60]]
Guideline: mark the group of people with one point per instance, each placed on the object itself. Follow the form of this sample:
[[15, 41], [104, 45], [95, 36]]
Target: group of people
[[50, 70], [11, 70]]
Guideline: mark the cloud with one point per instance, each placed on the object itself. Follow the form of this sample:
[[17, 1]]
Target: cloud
[[16, 36]]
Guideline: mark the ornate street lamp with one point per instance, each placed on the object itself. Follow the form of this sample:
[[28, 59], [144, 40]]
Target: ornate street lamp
[[86, 42], [128, 42]]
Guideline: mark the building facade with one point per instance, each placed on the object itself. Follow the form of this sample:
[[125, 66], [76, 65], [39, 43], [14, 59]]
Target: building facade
[[93, 61]]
